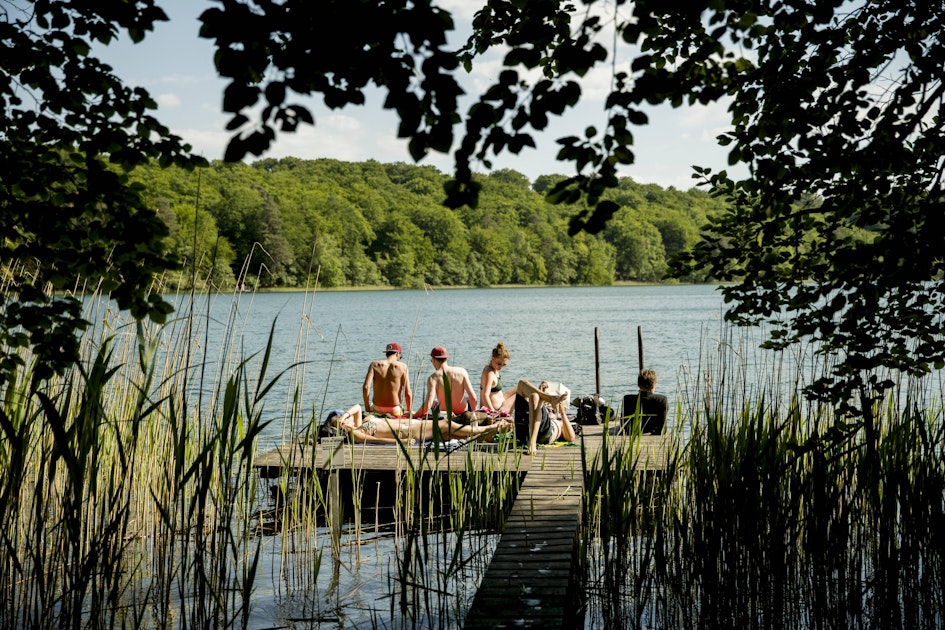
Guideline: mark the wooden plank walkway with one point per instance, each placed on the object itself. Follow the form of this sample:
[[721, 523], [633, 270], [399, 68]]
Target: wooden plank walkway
[[530, 574], [393, 458], [530, 581]]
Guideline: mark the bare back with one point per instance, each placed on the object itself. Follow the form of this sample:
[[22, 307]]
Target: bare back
[[460, 388], [389, 379]]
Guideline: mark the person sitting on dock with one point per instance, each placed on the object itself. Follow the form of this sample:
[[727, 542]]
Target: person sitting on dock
[[390, 379], [547, 417], [462, 396], [369, 429], [491, 394], [644, 412]]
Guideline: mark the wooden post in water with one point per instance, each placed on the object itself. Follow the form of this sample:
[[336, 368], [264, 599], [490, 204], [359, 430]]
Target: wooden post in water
[[335, 504], [597, 361], [640, 345]]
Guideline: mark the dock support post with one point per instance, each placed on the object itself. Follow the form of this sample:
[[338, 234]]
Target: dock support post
[[640, 346], [335, 508], [597, 362]]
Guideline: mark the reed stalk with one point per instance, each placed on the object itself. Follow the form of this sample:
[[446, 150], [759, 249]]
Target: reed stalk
[[774, 512], [124, 501]]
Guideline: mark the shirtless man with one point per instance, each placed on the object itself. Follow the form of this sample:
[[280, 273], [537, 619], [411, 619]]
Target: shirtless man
[[389, 378], [461, 389]]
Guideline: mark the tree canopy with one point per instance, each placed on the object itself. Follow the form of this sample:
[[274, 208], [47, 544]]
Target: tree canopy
[[832, 101], [836, 110], [295, 223], [69, 134]]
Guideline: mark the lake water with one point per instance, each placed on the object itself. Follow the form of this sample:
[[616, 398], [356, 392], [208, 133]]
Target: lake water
[[550, 333]]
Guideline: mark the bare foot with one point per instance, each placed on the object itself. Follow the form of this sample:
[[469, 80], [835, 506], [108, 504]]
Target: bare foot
[[503, 426], [500, 426]]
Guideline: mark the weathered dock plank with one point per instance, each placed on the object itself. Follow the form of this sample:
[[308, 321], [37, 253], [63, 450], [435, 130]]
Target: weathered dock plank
[[531, 581], [309, 456]]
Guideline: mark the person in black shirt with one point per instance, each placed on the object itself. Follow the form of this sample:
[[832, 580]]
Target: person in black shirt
[[651, 408]]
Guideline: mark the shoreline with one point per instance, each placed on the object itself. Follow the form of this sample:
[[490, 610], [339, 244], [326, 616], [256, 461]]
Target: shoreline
[[447, 287]]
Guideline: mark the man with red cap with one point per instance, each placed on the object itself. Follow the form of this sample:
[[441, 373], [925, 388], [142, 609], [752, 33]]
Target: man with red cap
[[462, 395], [390, 380]]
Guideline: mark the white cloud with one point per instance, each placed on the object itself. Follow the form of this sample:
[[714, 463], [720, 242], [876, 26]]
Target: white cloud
[[209, 144], [714, 114], [168, 100], [341, 123], [461, 9], [178, 78], [211, 107]]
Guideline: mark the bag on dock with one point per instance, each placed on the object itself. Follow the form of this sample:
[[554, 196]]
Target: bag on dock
[[593, 409]]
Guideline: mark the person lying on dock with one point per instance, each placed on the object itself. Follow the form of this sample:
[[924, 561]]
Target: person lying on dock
[[494, 397], [390, 380], [547, 417], [462, 396], [369, 429]]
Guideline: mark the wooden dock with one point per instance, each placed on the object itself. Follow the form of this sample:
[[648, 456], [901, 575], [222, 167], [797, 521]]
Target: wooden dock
[[531, 580]]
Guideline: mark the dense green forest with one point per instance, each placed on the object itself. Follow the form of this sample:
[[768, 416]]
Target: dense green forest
[[295, 223]]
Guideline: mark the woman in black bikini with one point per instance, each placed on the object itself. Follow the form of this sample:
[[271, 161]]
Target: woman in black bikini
[[491, 395], [494, 398]]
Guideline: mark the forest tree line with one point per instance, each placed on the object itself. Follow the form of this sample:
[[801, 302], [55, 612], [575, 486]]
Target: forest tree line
[[294, 223]]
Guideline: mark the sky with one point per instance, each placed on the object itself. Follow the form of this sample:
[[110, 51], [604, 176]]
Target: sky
[[176, 66]]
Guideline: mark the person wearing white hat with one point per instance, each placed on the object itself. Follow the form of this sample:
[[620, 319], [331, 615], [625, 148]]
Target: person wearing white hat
[[547, 416]]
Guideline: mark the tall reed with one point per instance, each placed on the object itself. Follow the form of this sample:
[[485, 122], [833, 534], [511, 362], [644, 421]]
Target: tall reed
[[124, 500], [772, 513], [447, 520]]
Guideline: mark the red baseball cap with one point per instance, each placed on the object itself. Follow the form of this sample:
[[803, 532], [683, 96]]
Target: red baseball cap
[[394, 347], [439, 352]]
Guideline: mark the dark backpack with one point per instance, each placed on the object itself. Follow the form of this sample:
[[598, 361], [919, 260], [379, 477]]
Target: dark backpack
[[591, 410]]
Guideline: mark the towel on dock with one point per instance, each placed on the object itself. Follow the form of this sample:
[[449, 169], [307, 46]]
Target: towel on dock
[[445, 447]]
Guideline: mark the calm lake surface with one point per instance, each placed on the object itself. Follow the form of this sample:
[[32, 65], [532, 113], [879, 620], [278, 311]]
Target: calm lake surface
[[549, 331], [335, 335], [332, 337]]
